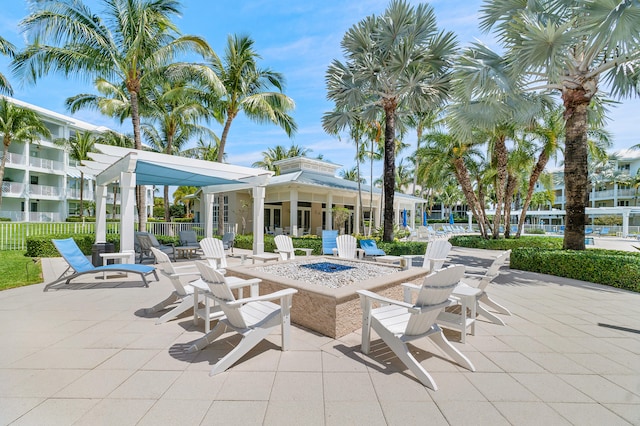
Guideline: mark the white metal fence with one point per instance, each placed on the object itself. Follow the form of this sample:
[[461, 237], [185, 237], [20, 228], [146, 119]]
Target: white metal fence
[[13, 235]]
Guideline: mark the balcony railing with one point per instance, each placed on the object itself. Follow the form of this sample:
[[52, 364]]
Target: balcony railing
[[45, 217], [12, 188], [45, 163], [44, 190], [75, 194], [15, 159]]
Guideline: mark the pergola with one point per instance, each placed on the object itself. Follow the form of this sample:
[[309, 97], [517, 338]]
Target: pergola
[[133, 167]]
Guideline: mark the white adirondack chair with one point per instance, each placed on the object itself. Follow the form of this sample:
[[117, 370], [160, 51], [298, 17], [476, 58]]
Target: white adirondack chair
[[481, 281], [399, 322], [436, 254], [284, 244], [213, 250], [182, 293], [254, 317], [347, 245]]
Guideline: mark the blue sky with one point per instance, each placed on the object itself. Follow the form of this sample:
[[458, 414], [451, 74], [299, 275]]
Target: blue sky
[[298, 39]]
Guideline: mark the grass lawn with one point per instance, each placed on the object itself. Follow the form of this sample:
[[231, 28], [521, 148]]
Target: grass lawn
[[17, 270]]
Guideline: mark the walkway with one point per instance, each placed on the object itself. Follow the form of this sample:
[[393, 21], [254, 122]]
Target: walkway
[[569, 355]]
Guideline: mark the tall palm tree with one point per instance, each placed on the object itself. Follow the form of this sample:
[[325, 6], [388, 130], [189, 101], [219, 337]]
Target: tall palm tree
[[397, 61], [79, 146], [128, 43], [279, 152], [8, 49], [17, 124], [181, 195], [352, 174], [205, 150], [571, 48]]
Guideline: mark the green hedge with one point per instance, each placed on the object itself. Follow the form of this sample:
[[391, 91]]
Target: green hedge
[[42, 246], [619, 269], [471, 241]]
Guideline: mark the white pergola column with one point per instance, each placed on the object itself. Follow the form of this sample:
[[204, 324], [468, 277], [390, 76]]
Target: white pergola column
[[329, 212], [625, 222], [101, 213], [396, 211], [470, 217], [207, 213], [293, 212], [258, 219], [127, 210]]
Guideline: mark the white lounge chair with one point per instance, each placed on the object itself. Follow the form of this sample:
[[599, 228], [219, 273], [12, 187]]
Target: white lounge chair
[[254, 317], [436, 254], [481, 281], [182, 293], [347, 245], [399, 322]]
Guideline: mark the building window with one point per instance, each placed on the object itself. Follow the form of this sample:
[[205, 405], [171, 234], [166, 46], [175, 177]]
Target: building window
[[624, 167], [34, 180], [623, 203]]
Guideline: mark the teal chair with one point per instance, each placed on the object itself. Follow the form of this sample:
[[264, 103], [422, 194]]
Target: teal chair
[[329, 241]]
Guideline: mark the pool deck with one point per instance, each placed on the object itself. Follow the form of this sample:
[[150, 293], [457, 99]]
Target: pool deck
[[87, 355]]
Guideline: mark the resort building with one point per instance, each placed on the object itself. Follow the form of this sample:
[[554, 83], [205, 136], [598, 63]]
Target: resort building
[[41, 183]]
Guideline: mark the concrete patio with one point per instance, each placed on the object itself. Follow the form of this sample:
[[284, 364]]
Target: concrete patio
[[87, 355]]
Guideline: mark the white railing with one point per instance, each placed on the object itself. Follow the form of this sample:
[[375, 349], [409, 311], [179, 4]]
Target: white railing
[[45, 190], [75, 193], [12, 188], [45, 163], [16, 159], [45, 217], [15, 216]]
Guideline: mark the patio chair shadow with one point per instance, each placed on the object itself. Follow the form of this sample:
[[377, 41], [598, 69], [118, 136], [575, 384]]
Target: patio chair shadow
[[219, 348], [99, 284]]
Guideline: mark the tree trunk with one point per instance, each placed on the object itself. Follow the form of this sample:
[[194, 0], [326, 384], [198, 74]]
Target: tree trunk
[[359, 187], [502, 156], [512, 183], [389, 169], [141, 196], [535, 175], [223, 142], [575, 166], [371, 190], [462, 175]]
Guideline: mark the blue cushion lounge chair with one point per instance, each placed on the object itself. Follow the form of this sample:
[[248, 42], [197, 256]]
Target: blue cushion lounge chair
[[80, 265], [329, 242], [371, 248]]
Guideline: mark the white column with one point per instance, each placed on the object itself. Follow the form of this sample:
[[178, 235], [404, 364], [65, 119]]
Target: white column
[[258, 219], [470, 217], [615, 194], [625, 222], [329, 214], [293, 212], [127, 210], [396, 213], [101, 213], [207, 212]]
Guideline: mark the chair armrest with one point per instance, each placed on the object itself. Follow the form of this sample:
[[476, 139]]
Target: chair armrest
[[185, 267], [407, 289], [280, 294], [472, 275], [410, 307], [183, 274]]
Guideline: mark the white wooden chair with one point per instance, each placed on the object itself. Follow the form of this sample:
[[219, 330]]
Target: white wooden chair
[[399, 322], [182, 293], [214, 253], [284, 244], [436, 254], [481, 281], [347, 245], [254, 317]]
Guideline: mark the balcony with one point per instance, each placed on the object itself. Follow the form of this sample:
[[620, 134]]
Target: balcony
[[12, 189], [13, 215], [45, 217], [44, 190], [74, 193], [45, 163], [14, 159]]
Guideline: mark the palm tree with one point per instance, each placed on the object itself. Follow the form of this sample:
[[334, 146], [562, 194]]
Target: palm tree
[[8, 49], [173, 109], [570, 47], [205, 150], [353, 175], [18, 124], [181, 195], [398, 62], [130, 42], [279, 152], [79, 146], [115, 139]]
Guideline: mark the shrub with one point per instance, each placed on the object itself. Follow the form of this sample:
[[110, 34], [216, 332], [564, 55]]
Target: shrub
[[41, 246], [472, 241], [536, 231], [5, 219], [619, 269]]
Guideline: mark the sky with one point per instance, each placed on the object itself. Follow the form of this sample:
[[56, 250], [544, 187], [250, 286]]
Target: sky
[[296, 38]]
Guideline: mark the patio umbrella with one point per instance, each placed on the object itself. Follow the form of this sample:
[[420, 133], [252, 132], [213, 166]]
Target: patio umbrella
[[451, 221], [424, 218], [404, 218]]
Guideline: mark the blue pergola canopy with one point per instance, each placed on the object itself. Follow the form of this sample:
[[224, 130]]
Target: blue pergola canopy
[[148, 173]]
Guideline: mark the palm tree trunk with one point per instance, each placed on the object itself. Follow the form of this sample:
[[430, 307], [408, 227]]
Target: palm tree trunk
[[141, 196], [223, 141], [371, 190], [501, 169], [575, 166], [359, 185], [512, 184], [462, 175], [5, 153], [389, 168], [535, 175]]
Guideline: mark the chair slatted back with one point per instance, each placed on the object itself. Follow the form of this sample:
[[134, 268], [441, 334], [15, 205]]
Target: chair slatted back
[[188, 238], [222, 293], [163, 261], [436, 289], [437, 249], [72, 254], [329, 241], [494, 270], [284, 243], [346, 246], [213, 247]]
